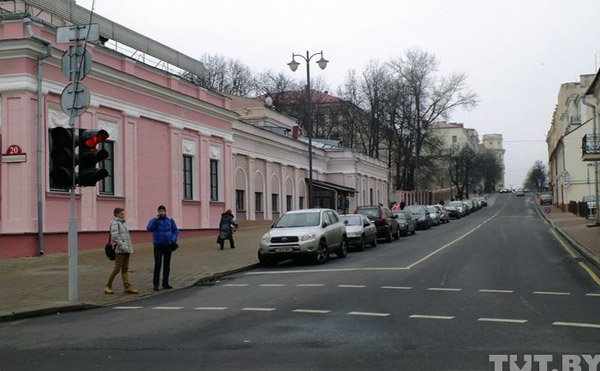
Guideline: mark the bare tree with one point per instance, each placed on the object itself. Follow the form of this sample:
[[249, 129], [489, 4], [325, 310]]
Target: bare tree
[[224, 75], [537, 176]]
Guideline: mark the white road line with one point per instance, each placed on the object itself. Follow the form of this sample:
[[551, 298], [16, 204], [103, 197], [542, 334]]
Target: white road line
[[551, 293], [442, 289], [311, 311], [211, 308], [422, 316], [503, 320], [258, 309], [236, 285], [127, 308], [597, 295], [368, 314], [574, 324], [497, 291], [396, 287], [272, 285], [330, 270], [352, 286], [167, 308], [310, 285]]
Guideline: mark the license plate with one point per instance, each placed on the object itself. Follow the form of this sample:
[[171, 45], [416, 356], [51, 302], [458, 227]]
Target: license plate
[[283, 249]]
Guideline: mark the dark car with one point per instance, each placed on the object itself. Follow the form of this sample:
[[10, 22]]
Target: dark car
[[385, 221], [405, 222], [545, 199], [420, 216]]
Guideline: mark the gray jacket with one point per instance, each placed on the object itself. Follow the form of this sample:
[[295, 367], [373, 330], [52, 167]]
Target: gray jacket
[[119, 235]]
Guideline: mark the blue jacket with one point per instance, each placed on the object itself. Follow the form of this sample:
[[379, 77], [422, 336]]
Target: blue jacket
[[164, 230]]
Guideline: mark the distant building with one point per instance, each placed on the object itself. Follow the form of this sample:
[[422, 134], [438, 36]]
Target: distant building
[[493, 143]]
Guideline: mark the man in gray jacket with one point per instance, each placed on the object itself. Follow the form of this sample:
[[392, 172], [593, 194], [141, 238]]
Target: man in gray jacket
[[119, 235]]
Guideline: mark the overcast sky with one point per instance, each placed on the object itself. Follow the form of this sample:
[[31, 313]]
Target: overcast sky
[[516, 53]]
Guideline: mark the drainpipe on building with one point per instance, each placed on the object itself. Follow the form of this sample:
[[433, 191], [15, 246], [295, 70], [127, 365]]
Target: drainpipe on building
[[357, 181], [596, 172], [40, 131]]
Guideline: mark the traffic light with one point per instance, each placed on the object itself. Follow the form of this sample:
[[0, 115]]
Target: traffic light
[[61, 153], [89, 156]]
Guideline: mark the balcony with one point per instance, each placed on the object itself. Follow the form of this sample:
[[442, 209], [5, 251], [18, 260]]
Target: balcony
[[590, 148]]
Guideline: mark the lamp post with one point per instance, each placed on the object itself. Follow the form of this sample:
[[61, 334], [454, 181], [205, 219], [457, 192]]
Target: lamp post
[[294, 66]]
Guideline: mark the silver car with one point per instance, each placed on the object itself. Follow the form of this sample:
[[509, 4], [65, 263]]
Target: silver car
[[360, 230], [310, 233]]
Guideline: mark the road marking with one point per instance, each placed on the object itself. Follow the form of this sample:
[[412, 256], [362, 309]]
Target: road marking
[[167, 308], [311, 311], [353, 286], [396, 288], [369, 314], [598, 295], [574, 324], [591, 273], [310, 285], [503, 320], [236, 285], [259, 309], [551, 293], [127, 308], [272, 285], [211, 308], [442, 289], [497, 291], [422, 316], [330, 270]]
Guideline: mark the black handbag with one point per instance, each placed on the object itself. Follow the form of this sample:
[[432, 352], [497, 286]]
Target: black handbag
[[109, 249], [174, 246]]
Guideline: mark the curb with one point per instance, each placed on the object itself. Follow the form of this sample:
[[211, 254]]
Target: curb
[[81, 307], [582, 250]]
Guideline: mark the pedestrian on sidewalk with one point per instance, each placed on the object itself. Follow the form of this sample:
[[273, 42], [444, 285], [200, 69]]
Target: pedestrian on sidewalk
[[164, 236], [119, 235], [226, 228]]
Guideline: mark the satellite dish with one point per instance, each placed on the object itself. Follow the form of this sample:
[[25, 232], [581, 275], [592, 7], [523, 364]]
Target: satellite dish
[[269, 101]]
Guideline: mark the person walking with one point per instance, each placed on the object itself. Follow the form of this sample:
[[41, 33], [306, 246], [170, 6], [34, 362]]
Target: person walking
[[119, 235], [164, 236], [226, 228]]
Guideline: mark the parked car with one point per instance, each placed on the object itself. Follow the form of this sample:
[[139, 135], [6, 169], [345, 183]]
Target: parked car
[[545, 199], [360, 231], [520, 193], [406, 222], [434, 215], [444, 216], [311, 233], [591, 204], [468, 207], [483, 201], [420, 216], [456, 209], [385, 221]]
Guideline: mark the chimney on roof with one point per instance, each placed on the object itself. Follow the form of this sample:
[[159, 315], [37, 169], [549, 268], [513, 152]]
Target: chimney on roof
[[295, 132]]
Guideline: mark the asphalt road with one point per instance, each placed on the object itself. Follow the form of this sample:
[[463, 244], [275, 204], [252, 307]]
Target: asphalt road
[[497, 282]]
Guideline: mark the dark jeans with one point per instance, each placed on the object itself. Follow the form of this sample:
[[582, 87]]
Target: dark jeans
[[162, 251], [231, 244]]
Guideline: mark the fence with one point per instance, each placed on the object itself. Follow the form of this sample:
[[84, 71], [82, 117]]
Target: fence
[[424, 197], [580, 209]]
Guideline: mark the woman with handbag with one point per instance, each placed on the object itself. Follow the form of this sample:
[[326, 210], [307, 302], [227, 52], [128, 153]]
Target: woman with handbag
[[226, 228], [123, 248]]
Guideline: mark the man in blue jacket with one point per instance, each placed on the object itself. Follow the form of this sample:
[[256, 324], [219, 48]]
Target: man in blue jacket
[[164, 236]]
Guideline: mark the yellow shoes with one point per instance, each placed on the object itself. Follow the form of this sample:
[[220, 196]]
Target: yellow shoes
[[108, 290], [130, 290]]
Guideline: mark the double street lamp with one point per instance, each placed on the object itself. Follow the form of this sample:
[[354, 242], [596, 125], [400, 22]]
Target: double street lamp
[[294, 66]]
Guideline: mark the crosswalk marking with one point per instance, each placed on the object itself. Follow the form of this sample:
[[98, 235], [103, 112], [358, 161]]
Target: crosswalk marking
[[310, 285], [575, 324], [353, 286], [497, 291], [211, 308], [236, 285], [312, 311], [396, 287], [258, 309], [597, 295], [272, 285], [551, 293], [167, 308], [503, 320], [422, 316], [369, 314], [442, 289], [127, 308]]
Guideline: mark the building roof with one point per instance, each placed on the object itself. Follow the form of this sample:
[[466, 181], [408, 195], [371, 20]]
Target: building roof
[[316, 96], [445, 125]]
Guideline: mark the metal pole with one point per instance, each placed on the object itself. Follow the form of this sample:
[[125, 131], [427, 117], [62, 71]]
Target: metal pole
[[309, 124], [73, 259], [596, 170], [40, 133]]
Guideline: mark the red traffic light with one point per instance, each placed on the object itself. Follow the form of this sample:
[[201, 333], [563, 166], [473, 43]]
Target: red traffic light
[[90, 138]]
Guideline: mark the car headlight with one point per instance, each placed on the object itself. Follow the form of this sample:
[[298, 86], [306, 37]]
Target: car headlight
[[422, 218], [309, 236], [402, 225], [266, 238]]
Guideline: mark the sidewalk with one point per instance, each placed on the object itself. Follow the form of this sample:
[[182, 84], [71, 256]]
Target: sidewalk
[[574, 229], [39, 285]]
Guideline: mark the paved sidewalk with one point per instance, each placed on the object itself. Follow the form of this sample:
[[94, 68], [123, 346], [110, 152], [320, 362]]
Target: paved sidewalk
[[574, 229], [39, 285]]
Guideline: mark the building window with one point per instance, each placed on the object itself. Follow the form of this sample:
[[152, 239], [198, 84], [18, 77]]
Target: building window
[[188, 193], [258, 202], [239, 200], [288, 202], [274, 202], [214, 180], [301, 203], [371, 196], [107, 185], [454, 139]]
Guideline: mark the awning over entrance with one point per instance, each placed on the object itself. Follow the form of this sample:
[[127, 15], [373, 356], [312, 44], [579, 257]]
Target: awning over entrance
[[332, 186], [331, 195]]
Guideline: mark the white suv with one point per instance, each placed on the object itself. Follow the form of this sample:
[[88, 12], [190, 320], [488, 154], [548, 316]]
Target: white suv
[[300, 233]]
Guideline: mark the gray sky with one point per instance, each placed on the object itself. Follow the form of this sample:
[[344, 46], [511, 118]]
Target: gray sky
[[515, 52]]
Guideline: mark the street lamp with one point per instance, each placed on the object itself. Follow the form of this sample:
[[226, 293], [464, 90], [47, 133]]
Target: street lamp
[[294, 66]]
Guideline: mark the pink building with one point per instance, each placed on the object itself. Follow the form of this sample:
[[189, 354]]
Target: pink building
[[159, 124]]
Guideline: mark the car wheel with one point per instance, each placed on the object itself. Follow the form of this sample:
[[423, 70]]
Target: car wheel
[[322, 253], [389, 236], [397, 235], [363, 243], [266, 261], [343, 250]]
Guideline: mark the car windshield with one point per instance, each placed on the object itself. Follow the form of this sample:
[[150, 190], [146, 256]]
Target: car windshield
[[431, 209], [291, 220], [369, 212], [416, 210], [401, 215], [351, 220], [456, 203]]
